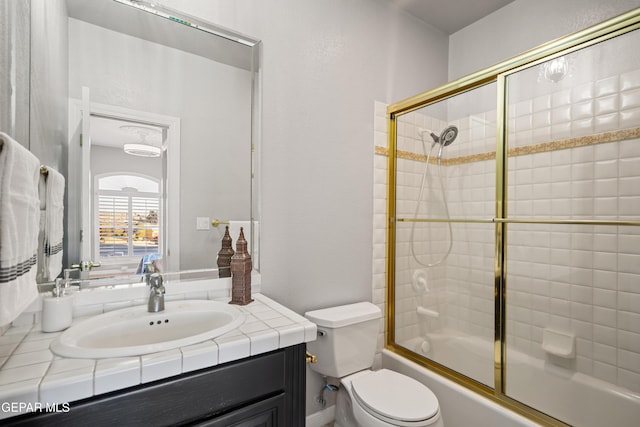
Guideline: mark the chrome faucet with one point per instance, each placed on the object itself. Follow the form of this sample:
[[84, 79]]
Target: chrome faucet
[[67, 281], [156, 293]]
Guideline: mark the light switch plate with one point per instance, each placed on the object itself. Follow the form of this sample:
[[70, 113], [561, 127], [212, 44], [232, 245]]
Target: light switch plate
[[202, 223]]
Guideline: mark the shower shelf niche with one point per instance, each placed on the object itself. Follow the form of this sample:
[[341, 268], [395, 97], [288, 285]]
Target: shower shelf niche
[[560, 344]]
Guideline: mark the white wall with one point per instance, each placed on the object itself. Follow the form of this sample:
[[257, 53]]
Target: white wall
[[325, 62], [523, 25]]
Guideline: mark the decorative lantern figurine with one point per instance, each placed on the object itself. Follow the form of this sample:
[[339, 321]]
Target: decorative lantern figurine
[[225, 254], [241, 273]]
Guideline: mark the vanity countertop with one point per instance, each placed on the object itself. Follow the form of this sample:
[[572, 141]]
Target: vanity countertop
[[31, 376]]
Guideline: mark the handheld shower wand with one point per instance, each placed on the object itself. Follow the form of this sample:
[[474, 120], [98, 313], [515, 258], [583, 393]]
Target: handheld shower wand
[[447, 137]]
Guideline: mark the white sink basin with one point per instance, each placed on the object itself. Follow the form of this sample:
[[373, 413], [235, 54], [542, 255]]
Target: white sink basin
[[134, 331]]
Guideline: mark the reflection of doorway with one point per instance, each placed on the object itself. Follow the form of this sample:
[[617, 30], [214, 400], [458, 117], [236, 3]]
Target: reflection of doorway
[[110, 128]]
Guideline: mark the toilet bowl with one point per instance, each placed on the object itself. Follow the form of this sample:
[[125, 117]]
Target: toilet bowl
[[386, 398], [345, 349]]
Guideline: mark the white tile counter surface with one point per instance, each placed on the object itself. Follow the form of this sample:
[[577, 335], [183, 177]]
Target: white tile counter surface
[[30, 374]]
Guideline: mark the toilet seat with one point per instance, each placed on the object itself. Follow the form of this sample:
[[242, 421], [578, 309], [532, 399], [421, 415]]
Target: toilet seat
[[395, 398]]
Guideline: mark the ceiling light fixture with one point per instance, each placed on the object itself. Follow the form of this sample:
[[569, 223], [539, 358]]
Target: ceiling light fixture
[[142, 150]]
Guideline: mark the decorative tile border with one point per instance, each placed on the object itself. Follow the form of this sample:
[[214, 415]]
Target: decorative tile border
[[561, 144]]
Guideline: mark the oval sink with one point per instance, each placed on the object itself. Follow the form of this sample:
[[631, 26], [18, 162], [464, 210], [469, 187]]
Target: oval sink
[[134, 331]]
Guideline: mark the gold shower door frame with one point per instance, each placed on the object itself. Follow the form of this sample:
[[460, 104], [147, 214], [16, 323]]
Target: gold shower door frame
[[498, 73]]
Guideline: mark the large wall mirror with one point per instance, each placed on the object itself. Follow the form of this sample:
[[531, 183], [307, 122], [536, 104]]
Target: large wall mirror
[[161, 129]]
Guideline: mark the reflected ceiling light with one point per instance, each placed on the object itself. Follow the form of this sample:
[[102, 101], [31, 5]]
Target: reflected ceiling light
[[142, 150], [556, 69]]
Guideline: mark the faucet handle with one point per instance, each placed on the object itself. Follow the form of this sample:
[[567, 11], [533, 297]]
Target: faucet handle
[[85, 265], [150, 267]]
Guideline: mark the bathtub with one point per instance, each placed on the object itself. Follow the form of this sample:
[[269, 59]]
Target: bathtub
[[574, 398]]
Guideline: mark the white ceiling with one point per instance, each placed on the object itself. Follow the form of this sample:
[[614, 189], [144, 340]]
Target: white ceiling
[[450, 16]]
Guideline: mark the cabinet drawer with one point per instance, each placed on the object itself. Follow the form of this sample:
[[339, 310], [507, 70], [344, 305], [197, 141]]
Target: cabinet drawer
[[267, 413]]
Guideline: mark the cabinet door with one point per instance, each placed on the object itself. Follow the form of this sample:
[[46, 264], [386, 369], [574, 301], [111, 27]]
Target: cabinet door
[[266, 413]]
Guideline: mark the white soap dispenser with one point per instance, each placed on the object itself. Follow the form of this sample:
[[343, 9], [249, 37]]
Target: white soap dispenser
[[57, 309]]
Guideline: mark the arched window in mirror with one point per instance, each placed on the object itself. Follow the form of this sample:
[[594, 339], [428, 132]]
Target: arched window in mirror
[[127, 220]]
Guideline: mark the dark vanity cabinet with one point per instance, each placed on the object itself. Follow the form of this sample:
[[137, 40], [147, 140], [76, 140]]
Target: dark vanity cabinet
[[261, 391]]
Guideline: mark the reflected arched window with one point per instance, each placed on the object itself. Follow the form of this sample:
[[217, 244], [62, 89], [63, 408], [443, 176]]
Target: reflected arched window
[[128, 216]]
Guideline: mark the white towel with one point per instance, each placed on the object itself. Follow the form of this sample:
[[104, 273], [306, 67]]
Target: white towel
[[19, 218], [50, 239]]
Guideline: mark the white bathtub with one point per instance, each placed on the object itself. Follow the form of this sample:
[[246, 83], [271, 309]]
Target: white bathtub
[[575, 398]]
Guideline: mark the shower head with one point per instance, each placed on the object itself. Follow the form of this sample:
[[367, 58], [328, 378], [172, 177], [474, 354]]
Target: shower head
[[448, 135]]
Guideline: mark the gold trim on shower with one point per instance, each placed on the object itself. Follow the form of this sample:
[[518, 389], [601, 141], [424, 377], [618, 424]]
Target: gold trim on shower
[[523, 150], [495, 74]]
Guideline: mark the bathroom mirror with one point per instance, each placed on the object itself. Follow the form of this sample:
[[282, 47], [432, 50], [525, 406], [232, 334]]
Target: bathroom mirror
[[140, 73]]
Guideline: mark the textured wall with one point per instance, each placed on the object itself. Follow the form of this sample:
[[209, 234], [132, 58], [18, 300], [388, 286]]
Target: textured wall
[[523, 25], [15, 24]]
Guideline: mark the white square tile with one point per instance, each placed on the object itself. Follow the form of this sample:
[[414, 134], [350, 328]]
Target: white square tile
[[61, 365], [281, 321], [606, 122], [11, 339], [267, 315], [14, 394], [160, 365], [606, 86], [606, 105], [116, 374], [199, 356], [541, 103], [291, 335], [560, 98], [561, 115], [310, 332], [263, 341], [630, 118], [31, 358], [582, 110], [582, 92], [7, 349], [232, 348], [67, 386], [626, 340], [249, 327], [22, 373], [630, 80], [29, 346], [37, 335]]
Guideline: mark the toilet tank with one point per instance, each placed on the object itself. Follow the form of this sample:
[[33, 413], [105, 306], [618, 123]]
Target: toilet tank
[[347, 338]]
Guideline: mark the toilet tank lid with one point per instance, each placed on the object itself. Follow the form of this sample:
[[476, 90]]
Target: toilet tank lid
[[344, 315]]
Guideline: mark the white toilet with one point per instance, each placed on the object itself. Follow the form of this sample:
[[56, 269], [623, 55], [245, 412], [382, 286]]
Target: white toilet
[[345, 348]]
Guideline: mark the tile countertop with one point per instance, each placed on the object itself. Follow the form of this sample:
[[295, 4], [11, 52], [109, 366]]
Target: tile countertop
[[31, 375]]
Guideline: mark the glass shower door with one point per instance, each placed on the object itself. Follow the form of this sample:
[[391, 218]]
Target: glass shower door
[[445, 202], [573, 269]]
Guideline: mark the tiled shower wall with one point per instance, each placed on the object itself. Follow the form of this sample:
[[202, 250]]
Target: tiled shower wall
[[574, 154]]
